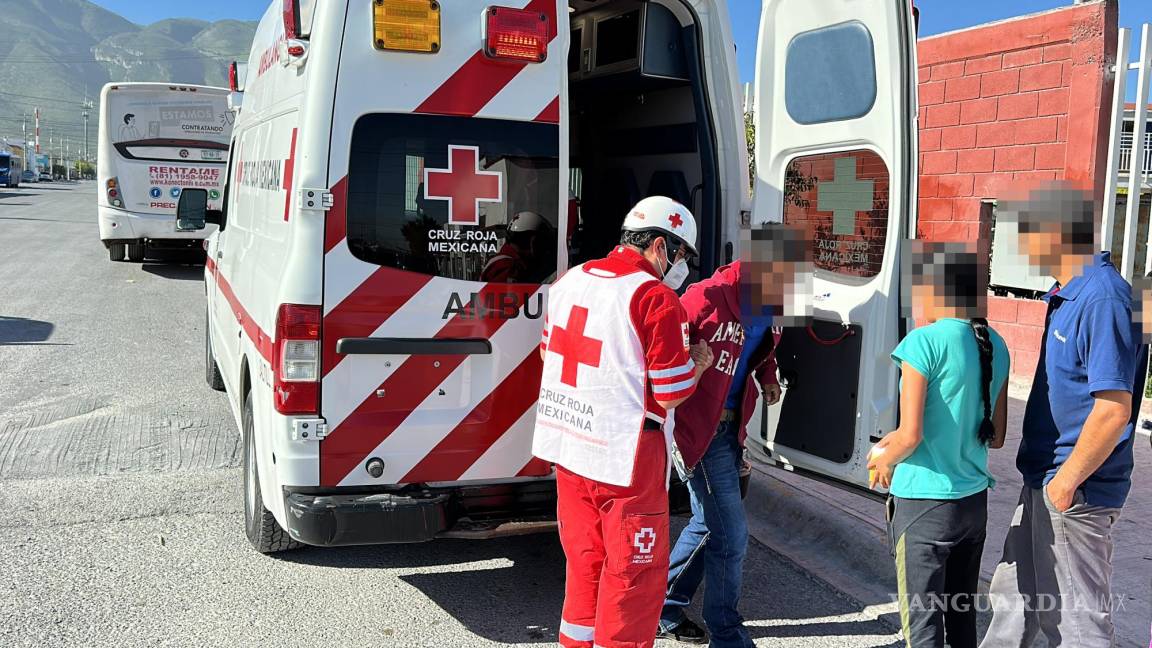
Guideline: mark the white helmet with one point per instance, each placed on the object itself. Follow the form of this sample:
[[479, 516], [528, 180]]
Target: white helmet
[[663, 214], [525, 221]]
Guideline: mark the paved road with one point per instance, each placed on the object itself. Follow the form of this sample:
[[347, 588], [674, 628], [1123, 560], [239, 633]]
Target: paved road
[[120, 488]]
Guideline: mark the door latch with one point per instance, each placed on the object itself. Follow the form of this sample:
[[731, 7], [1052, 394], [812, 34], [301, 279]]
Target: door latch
[[320, 199], [309, 429]]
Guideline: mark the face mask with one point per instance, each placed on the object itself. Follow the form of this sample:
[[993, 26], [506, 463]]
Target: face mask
[[676, 275]]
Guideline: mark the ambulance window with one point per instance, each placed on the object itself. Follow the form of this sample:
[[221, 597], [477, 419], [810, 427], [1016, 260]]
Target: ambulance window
[[455, 197], [830, 74], [843, 200]]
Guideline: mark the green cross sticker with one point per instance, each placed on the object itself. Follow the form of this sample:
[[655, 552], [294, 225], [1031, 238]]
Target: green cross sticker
[[845, 196]]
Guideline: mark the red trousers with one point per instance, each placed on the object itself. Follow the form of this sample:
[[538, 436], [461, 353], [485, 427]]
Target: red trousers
[[616, 541]]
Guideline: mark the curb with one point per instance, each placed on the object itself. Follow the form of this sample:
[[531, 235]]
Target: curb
[[836, 544]]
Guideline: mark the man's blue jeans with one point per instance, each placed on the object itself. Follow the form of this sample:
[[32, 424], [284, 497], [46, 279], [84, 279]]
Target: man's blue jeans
[[713, 545]]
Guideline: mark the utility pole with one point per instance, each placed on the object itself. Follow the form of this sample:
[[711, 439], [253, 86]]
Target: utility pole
[[87, 106], [24, 134]]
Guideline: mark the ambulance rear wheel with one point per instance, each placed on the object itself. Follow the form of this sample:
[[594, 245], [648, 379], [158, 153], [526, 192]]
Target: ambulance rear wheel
[[212, 370], [261, 527], [136, 251], [115, 251]]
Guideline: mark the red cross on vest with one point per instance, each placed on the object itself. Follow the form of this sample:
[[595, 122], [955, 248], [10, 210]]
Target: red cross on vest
[[463, 185], [675, 220], [573, 346], [644, 540]]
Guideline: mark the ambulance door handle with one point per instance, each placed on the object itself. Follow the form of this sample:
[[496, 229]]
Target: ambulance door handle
[[219, 254], [413, 346]]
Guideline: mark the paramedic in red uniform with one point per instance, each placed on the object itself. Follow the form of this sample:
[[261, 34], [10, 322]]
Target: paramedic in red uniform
[[616, 358], [515, 261]]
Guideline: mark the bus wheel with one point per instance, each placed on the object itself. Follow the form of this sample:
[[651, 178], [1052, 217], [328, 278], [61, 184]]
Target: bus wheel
[[115, 251], [261, 527], [136, 251]]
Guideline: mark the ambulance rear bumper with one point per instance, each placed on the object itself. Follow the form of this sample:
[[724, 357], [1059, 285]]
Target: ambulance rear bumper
[[419, 514]]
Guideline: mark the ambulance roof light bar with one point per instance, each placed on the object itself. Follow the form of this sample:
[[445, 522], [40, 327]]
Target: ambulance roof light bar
[[516, 34]]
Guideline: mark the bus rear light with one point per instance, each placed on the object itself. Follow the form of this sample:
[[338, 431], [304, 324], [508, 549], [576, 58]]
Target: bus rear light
[[296, 360], [112, 190], [517, 34], [406, 25]]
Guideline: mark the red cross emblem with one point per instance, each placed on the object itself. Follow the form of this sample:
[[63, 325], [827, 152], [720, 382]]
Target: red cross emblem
[[463, 185], [573, 346], [289, 167], [644, 540], [675, 220]]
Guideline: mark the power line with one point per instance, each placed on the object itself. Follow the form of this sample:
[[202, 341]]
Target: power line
[[24, 96]]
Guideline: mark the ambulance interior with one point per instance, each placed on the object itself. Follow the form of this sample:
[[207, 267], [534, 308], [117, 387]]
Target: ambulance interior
[[636, 100]]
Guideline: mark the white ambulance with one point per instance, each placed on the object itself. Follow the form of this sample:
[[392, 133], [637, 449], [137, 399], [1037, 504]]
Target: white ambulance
[[398, 199], [154, 140]]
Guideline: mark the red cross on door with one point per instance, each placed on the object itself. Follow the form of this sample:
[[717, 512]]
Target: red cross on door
[[573, 346], [463, 185]]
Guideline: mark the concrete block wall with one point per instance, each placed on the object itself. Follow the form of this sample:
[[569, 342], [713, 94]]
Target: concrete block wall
[[1011, 103]]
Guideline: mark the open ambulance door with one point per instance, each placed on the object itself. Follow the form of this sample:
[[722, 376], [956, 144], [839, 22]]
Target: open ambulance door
[[835, 118]]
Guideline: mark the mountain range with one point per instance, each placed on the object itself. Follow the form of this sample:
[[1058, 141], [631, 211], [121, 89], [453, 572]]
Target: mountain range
[[54, 54]]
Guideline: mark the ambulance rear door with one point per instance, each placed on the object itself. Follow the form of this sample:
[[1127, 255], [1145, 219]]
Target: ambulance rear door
[[835, 117], [442, 238]]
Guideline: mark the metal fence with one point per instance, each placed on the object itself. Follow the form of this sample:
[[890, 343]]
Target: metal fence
[[1126, 153], [1123, 148]]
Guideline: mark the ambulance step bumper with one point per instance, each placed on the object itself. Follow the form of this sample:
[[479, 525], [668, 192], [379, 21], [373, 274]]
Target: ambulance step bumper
[[327, 518], [339, 520]]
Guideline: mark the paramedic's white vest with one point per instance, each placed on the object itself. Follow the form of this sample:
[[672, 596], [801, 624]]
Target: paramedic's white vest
[[593, 428]]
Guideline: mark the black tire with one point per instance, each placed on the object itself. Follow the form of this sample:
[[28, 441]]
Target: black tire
[[212, 370], [136, 251], [115, 251], [261, 527]]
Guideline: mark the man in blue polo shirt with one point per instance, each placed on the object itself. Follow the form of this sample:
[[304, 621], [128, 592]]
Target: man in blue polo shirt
[[1076, 452]]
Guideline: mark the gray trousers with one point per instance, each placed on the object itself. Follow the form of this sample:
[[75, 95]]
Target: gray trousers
[[937, 545], [1055, 576]]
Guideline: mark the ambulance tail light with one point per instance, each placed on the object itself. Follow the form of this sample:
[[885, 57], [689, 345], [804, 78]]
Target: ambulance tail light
[[296, 360], [112, 189], [517, 34], [236, 73], [297, 18]]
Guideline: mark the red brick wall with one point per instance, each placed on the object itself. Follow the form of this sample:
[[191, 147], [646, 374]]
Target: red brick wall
[[1009, 103]]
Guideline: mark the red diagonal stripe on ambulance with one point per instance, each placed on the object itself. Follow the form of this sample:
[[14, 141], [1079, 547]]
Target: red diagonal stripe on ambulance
[[483, 426], [383, 293], [536, 467], [551, 113], [261, 340], [413, 381], [480, 79], [336, 222]]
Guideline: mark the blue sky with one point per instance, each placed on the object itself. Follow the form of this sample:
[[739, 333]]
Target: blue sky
[[936, 16]]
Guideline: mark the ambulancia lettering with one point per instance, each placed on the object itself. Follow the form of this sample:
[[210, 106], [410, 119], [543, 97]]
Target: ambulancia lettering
[[494, 306]]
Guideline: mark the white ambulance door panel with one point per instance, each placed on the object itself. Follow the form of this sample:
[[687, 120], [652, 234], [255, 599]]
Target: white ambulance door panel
[[225, 307], [218, 308], [442, 238], [836, 153]]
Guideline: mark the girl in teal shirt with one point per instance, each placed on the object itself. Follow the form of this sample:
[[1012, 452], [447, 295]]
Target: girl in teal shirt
[[953, 407]]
